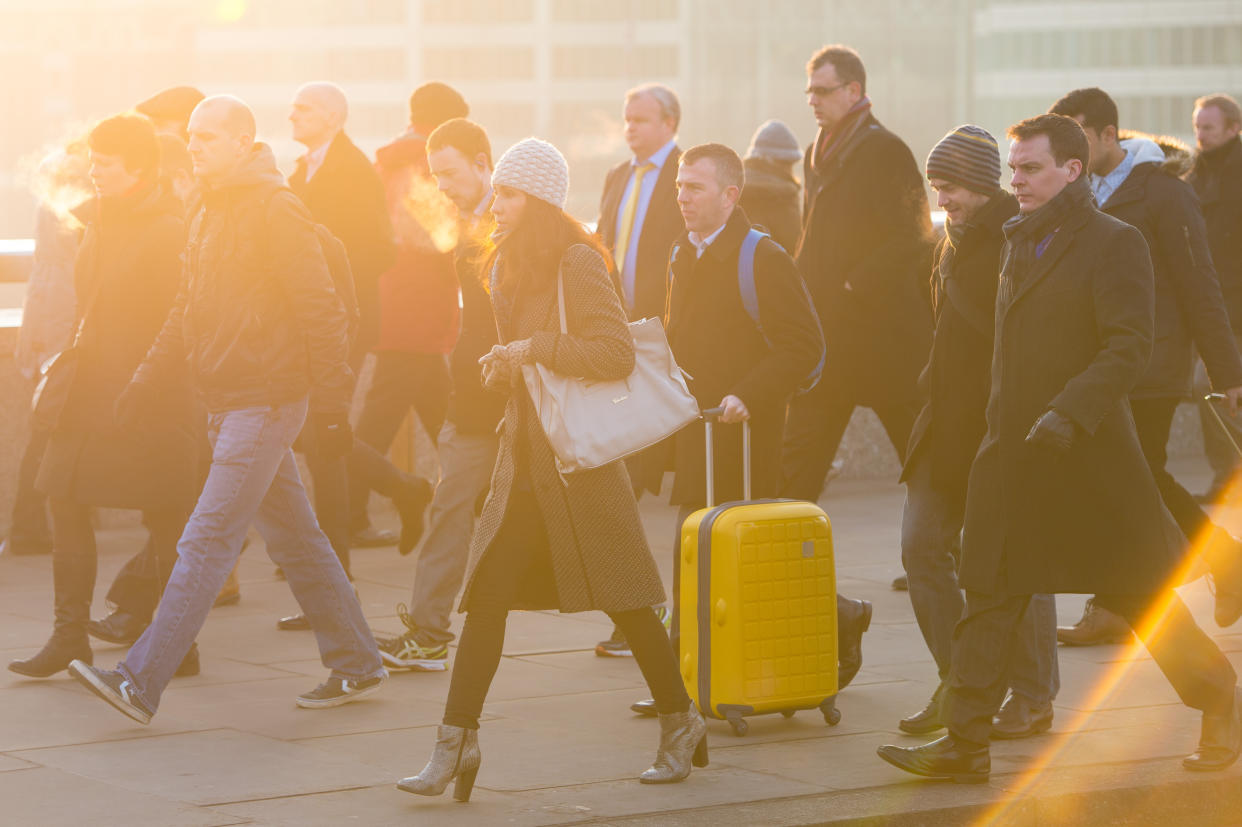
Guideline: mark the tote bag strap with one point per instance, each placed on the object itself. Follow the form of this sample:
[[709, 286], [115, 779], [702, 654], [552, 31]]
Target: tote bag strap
[[560, 299]]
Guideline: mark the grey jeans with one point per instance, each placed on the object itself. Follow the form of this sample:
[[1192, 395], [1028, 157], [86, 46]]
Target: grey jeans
[[253, 478], [931, 529], [466, 462]]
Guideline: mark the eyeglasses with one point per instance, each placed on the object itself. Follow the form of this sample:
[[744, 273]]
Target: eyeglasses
[[824, 91]]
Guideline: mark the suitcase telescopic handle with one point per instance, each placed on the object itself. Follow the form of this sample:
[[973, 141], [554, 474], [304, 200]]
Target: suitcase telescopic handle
[[1224, 429], [710, 416]]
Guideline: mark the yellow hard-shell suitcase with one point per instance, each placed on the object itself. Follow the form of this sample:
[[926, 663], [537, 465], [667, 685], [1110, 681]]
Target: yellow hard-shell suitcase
[[758, 598]]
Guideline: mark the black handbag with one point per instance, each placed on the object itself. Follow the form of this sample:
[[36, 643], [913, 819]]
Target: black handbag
[[51, 393]]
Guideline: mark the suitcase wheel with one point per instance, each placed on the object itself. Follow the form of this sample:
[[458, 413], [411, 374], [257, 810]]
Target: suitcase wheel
[[740, 727], [832, 715], [788, 713]]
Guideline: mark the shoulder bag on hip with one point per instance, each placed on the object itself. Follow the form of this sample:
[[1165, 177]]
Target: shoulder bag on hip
[[592, 423]]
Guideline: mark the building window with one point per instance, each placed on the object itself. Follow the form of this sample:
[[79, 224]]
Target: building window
[[478, 11], [479, 63], [613, 11]]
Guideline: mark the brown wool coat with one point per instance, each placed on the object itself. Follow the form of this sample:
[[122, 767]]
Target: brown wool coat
[[599, 555]]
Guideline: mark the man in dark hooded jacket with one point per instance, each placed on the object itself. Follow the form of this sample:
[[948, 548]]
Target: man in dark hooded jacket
[[1132, 182]]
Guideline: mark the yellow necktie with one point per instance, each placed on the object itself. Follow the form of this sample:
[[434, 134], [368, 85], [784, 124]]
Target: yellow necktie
[[627, 228]]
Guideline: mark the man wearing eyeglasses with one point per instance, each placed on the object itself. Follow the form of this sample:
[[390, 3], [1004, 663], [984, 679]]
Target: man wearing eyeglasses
[[865, 251]]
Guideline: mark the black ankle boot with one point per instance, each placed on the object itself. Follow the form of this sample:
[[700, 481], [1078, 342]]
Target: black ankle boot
[[54, 657]]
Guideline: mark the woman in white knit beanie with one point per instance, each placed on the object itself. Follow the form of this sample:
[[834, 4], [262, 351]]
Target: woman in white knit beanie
[[573, 543]]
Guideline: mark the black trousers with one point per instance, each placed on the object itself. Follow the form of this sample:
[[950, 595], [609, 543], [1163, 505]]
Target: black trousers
[[814, 425], [1153, 419], [137, 587], [330, 484], [30, 527], [519, 545], [986, 636], [401, 381], [74, 560]]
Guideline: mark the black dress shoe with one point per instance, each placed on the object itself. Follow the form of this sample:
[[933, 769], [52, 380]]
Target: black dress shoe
[[1019, 717], [646, 707], [901, 583], [1220, 739], [189, 666], [294, 623], [927, 720], [118, 627], [853, 618], [55, 656], [942, 760]]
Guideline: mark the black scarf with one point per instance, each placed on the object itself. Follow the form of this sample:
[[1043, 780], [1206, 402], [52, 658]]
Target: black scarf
[[955, 232], [1028, 234]]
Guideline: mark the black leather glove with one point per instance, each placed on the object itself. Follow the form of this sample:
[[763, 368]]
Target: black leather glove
[[333, 436], [1053, 432], [134, 405]]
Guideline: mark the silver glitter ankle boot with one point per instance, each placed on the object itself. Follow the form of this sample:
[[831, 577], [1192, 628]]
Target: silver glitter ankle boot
[[683, 741], [456, 755]]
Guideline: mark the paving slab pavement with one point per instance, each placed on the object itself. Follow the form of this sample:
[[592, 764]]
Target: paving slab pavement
[[559, 744]]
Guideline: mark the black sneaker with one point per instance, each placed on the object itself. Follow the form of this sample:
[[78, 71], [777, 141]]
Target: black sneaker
[[113, 687], [615, 647], [405, 652], [339, 691]]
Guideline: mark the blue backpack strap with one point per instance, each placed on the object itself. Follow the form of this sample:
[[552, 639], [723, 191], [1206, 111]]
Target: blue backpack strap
[[746, 275], [750, 298]]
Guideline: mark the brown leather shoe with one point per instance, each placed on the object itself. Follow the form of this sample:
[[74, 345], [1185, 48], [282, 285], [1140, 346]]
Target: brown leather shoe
[[1097, 626], [1019, 717]]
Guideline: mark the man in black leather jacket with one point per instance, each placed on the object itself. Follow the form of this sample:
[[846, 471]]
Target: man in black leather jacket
[[263, 335]]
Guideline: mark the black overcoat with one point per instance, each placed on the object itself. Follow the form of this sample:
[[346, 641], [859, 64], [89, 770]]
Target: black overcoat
[[1217, 179], [130, 255], [717, 343], [772, 199], [346, 195], [1190, 311], [958, 375], [1076, 337], [865, 253]]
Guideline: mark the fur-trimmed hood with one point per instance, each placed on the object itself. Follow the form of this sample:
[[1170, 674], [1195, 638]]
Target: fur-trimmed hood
[[1177, 155]]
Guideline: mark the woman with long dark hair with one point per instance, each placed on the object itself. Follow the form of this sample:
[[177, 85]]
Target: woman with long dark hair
[[574, 543]]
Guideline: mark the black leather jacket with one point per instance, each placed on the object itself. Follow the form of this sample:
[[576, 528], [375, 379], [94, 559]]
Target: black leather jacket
[[257, 320]]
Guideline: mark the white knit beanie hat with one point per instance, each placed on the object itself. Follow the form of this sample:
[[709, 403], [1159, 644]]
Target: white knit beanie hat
[[536, 168]]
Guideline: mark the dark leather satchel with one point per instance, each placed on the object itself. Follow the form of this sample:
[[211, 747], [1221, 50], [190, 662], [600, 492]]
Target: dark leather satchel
[[51, 394]]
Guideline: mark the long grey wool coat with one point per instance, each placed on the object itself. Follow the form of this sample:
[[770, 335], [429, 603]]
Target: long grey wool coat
[[599, 554]]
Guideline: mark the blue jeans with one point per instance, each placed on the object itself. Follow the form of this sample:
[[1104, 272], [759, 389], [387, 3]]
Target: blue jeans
[[253, 479], [931, 528]]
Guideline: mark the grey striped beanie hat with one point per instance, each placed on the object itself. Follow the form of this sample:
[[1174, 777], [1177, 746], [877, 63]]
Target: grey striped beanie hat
[[536, 168], [969, 157]]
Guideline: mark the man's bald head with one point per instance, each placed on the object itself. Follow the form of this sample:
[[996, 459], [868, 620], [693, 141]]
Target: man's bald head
[[318, 114], [222, 130], [226, 113]]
